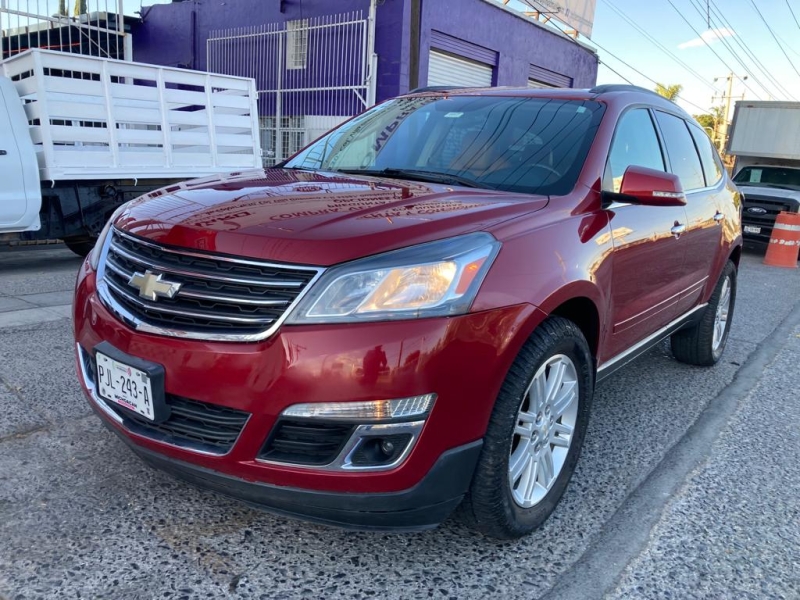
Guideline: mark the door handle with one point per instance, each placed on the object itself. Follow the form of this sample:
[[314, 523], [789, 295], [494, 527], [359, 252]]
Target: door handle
[[678, 229], [3, 152], [719, 217]]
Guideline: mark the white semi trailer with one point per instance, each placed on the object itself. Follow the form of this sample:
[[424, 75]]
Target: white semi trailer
[[80, 135], [765, 139]]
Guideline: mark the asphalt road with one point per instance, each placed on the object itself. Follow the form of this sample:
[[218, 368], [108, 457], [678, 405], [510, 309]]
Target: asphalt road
[[687, 486]]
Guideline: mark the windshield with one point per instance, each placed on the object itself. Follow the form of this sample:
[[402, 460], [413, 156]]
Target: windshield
[[530, 145], [769, 176]]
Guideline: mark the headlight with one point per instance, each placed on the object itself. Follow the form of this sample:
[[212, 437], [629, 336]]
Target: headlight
[[97, 251], [434, 279]]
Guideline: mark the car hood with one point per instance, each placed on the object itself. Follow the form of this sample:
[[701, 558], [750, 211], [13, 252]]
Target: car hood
[[764, 190], [312, 217]]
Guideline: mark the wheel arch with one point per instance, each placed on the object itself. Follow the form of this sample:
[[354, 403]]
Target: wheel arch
[[580, 303], [583, 312], [736, 255]]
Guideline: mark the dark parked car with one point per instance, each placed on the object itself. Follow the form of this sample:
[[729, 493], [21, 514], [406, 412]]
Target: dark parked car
[[413, 312]]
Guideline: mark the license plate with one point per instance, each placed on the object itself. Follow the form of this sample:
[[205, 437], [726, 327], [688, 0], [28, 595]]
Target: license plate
[[125, 385], [752, 229]]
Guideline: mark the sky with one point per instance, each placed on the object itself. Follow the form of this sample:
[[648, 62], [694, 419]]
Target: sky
[[733, 22]]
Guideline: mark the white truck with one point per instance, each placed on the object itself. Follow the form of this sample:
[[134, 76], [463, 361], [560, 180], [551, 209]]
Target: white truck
[[765, 139], [80, 135]]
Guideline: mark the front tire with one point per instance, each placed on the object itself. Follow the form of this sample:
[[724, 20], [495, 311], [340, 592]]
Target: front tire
[[535, 433], [704, 343]]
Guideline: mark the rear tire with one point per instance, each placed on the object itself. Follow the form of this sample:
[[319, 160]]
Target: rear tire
[[81, 245], [703, 343], [535, 433]]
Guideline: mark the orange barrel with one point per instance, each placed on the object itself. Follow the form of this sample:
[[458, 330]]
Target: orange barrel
[[785, 242]]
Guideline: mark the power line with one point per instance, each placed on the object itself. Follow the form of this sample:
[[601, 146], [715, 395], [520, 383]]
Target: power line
[[772, 33], [631, 67], [726, 43], [658, 44], [789, 6], [749, 53], [617, 73], [697, 33]]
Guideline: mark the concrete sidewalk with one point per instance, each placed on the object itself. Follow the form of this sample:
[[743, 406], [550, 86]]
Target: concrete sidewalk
[[733, 529]]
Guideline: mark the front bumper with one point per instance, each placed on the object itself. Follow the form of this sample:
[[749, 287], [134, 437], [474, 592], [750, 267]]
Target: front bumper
[[423, 506], [462, 359], [759, 214]]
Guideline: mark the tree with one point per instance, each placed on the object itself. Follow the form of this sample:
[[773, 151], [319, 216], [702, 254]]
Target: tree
[[707, 122], [670, 92], [711, 121]]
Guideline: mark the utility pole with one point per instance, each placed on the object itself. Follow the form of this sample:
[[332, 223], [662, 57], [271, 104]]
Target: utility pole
[[721, 128]]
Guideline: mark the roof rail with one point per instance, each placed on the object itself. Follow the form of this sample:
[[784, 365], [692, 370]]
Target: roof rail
[[437, 88], [619, 87]]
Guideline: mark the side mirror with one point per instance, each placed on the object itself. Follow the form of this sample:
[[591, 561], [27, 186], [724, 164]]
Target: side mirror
[[651, 187]]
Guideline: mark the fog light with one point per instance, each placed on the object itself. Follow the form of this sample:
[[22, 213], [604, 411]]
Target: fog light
[[370, 411], [378, 451]]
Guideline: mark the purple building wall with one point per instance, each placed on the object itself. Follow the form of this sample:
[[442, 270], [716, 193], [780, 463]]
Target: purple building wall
[[175, 35], [518, 41]]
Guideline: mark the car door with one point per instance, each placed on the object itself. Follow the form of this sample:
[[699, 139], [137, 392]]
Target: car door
[[703, 236], [716, 200], [648, 249]]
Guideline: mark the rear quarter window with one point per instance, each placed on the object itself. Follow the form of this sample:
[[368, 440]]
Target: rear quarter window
[[712, 165], [681, 151]]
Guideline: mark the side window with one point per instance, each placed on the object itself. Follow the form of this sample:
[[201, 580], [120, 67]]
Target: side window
[[635, 143], [681, 151], [712, 166]]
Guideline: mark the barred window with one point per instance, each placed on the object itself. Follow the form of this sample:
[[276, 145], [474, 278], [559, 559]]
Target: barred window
[[297, 44]]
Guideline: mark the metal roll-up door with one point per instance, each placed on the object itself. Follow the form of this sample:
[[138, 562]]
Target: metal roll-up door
[[446, 69], [533, 84]]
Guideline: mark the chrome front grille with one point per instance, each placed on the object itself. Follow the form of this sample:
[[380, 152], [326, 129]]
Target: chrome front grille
[[219, 298]]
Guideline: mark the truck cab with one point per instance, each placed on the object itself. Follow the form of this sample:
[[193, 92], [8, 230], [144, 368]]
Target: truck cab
[[768, 190], [763, 138], [20, 194]]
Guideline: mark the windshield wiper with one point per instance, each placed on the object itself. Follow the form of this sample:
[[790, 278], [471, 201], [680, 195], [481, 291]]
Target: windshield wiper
[[418, 175]]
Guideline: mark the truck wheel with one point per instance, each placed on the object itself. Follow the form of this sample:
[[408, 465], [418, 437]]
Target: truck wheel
[[704, 343], [534, 435], [80, 245]]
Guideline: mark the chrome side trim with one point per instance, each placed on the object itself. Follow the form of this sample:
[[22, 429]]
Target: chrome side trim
[[101, 404], [620, 360], [344, 461]]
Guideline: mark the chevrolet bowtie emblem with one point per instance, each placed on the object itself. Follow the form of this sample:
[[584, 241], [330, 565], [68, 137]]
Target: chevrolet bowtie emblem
[[151, 287]]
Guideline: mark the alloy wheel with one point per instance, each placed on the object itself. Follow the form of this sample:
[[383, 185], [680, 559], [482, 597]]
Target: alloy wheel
[[721, 316], [544, 430]]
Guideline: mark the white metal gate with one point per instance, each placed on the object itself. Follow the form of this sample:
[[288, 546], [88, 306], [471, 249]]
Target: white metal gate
[[311, 75], [89, 27]]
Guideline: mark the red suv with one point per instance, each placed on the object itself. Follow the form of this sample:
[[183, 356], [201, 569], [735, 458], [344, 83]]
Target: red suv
[[412, 313]]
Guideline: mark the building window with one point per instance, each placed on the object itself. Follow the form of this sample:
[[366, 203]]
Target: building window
[[536, 84], [297, 44]]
